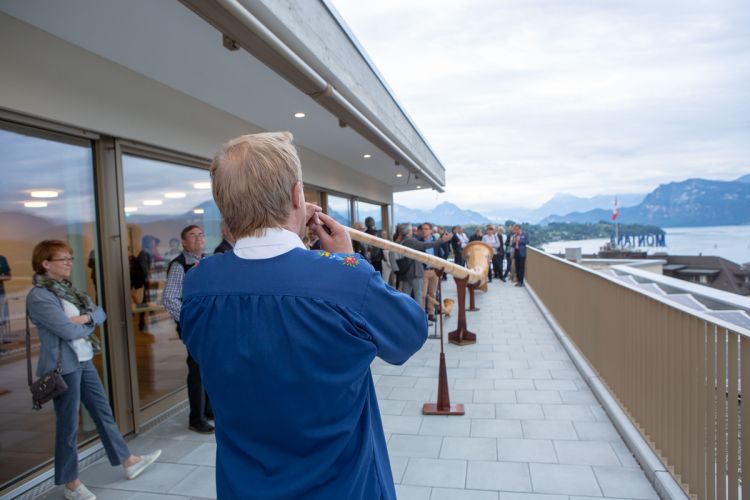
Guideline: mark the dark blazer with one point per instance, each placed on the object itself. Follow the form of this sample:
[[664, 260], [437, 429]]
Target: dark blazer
[[224, 246], [456, 245], [417, 270], [522, 242], [445, 249]]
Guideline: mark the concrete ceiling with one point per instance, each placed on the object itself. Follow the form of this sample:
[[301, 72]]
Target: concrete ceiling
[[166, 42]]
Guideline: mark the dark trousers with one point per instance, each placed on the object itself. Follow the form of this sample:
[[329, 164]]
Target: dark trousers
[[508, 265], [458, 258], [520, 267], [200, 407], [497, 264], [84, 387]]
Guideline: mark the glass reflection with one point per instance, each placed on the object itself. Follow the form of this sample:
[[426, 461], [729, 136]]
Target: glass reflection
[[338, 208], [47, 193], [160, 200], [365, 210]]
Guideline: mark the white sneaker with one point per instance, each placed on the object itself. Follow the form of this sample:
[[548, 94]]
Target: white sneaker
[[134, 470], [80, 493]]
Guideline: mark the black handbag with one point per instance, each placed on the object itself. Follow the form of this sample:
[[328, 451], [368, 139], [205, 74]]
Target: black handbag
[[405, 265], [51, 384]]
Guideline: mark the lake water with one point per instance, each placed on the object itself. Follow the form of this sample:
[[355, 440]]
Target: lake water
[[730, 242]]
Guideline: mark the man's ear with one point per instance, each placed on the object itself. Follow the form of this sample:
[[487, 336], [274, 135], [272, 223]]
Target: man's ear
[[297, 195]]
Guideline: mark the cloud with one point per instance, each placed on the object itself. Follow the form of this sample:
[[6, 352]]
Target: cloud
[[522, 99]]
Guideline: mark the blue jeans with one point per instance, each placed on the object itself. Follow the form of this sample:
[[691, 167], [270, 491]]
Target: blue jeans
[[84, 387]]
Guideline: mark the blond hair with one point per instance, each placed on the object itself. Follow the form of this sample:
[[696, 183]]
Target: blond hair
[[252, 181]]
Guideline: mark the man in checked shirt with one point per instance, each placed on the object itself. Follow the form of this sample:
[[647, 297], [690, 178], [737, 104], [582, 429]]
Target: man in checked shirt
[[193, 243]]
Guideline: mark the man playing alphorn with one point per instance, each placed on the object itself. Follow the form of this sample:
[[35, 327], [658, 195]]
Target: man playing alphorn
[[285, 337]]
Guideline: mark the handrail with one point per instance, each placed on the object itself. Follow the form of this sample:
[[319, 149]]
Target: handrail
[[677, 373], [655, 296]]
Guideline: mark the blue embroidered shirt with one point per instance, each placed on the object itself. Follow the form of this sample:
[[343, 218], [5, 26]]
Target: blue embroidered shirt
[[285, 346]]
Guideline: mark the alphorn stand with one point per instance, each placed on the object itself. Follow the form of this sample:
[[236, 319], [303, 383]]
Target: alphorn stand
[[437, 307], [461, 335], [472, 307], [443, 405]]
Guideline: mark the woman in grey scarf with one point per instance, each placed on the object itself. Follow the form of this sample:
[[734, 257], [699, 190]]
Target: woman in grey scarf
[[65, 318]]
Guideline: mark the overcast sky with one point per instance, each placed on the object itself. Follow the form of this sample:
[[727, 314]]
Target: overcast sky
[[522, 99]]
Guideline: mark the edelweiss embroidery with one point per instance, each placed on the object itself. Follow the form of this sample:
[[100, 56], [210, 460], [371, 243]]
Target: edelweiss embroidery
[[347, 260]]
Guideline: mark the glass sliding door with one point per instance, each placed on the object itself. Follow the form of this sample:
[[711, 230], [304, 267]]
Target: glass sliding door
[[47, 193], [339, 208], [161, 199], [365, 210]]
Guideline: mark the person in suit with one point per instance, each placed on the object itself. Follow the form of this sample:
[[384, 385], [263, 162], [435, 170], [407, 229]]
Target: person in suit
[[445, 248], [411, 273], [508, 249], [519, 252], [458, 242], [496, 242], [227, 243], [65, 318]]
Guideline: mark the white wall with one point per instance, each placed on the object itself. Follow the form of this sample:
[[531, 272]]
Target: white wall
[[47, 77]]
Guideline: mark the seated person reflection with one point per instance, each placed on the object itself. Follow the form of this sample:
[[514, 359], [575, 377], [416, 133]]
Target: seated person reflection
[[285, 337], [66, 318], [5, 275]]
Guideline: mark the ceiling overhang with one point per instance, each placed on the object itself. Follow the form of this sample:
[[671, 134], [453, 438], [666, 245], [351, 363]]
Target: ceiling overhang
[[264, 85]]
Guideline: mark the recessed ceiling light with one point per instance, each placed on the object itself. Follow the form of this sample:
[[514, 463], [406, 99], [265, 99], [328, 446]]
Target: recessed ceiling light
[[399, 175], [130, 209], [34, 204], [202, 185], [175, 195], [365, 156], [419, 187], [44, 194], [152, 203], [299, 115], [199, 211]]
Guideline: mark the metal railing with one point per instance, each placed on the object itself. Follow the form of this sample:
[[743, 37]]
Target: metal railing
[[677, 373]]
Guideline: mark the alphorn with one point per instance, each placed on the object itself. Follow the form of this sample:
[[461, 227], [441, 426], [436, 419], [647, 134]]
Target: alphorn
[[477, 276]]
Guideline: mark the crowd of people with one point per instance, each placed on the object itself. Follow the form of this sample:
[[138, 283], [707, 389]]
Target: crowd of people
[[419, 280]]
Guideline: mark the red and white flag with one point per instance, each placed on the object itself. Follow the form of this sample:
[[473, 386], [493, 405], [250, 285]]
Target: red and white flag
[[615, 210]]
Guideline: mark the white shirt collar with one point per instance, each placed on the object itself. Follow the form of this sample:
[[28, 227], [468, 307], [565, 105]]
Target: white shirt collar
[[274, 242]]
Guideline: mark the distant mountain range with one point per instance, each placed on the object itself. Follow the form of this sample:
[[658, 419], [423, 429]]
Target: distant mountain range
[[694, 202], [564, 203], [446, 214]]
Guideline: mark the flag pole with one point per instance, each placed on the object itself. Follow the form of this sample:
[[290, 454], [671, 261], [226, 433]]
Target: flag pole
[[615, 214]]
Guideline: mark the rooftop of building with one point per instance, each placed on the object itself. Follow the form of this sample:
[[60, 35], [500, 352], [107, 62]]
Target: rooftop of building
[[533, 429]]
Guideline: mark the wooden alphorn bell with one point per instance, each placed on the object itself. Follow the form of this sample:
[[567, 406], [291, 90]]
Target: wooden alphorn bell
[[474, 276]]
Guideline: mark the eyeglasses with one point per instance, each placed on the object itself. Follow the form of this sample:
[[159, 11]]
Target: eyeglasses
[[68, 260]]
